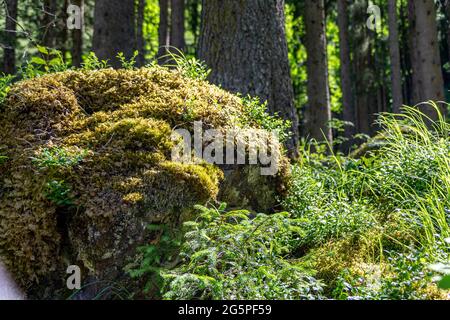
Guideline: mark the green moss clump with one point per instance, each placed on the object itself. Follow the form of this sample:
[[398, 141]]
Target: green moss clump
[[105, 136]]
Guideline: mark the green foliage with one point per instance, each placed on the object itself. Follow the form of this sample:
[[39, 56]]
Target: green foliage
[[127, 64], [5, 82], [57, 157], [405, 278], [190, 67], [236, 255], [47, 61], [256, 111], [58, 192], [92, 62], [154, 258]]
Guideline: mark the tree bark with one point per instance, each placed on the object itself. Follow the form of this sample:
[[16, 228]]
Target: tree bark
[[349, 112], [427, 61], [447, 15], [114, 30], [140, 41], [244, 42], [9, 58], [49, 23], [163, 30], [77, 38], [394, 51], [177, 26], [318, 113]]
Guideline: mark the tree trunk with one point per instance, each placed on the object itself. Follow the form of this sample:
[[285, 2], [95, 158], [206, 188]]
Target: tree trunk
[[427, 60], [177, 26], [163, 30], [9, 58], [244, 43], [114, 30], [447, 15], [394, 50], [77, 38], [349, 112], [140, 41], [49, 21], [318, 113]]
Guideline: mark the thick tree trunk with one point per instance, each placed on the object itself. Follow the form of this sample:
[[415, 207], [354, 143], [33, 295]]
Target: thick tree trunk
[[349, 112], [9, 58], [177, 26], [394, 51], [244, 43], [77, 38], [426, 62], [140, 41], [114, 29], [163, 30], [318, 113], [49, 21]]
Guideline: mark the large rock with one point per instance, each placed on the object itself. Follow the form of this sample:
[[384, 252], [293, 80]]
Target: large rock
[[89, 167]]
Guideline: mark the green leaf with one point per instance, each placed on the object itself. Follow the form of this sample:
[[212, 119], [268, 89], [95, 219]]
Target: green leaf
[[42, 49], [444, 283], [39, 61]]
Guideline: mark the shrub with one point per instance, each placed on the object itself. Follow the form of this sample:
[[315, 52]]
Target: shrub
[[232, 255]]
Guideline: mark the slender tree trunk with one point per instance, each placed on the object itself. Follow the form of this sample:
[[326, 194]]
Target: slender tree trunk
[[114, 29], [349, 112], [77, 38], [49, 23], [163, 30], [415, 65], [447, 15], [427, 60], [244, 43], [9, 58], [61, 41], [140, 41], [318, 113], [177, 26], [394, 50]]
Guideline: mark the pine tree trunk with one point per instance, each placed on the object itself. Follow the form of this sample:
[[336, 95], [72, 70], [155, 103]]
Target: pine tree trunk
[[427, 60], [114, 29], [318, 113], [163, 30], [77, 37], [140, 41], [394, 50], [349, 112], [177, 25], [244, 43], [9, 58]]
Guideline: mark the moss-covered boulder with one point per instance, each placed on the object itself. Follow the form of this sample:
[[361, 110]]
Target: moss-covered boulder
[[88, 167]]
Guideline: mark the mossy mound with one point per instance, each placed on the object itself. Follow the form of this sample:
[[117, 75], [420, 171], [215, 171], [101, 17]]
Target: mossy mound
[[89, 167]]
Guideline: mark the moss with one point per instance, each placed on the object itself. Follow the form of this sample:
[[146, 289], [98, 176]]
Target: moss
[[106, 134]]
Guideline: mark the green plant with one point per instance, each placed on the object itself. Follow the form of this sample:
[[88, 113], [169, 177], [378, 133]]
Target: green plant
[[190, 67], [57, 157], [155, 257], [256, 111], [92, 62], [47, 61], [58, 192], [235, 255], [5, 83], [3, 159], [127, 64]]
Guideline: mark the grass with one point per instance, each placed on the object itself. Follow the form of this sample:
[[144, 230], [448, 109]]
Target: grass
[[365, 228]]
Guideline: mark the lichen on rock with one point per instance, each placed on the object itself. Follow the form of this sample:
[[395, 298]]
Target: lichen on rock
[[89, 167]]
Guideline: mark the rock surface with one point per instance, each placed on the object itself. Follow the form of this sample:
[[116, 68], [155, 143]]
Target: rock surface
[[89, 167]]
